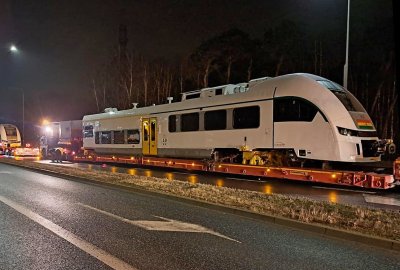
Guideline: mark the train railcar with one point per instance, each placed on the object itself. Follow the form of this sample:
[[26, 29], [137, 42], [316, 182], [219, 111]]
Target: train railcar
[[286, 118], [9, 137]]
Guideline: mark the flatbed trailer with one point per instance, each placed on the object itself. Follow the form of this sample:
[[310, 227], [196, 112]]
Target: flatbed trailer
[[396, 170], [360, 179]]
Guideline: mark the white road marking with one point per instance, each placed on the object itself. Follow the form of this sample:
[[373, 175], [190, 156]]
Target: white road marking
[[348, 190], [89, 248], [183, 173], [246, 180], [167, 225], [381, 200], [5, 172]]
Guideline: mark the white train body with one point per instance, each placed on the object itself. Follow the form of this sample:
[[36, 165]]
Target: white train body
[[9, 137], [309, 115]]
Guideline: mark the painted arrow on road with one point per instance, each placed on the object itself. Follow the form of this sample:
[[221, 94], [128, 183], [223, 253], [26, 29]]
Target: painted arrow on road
[[381, 200], [166, 225]]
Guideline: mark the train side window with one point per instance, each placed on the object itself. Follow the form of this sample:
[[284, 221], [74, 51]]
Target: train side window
[[97, 138], [293, 110], [105, 137], [119, 137], [133, 136], [246, 117], [88, 131], [215, 120], [172, 123], [190, 122]]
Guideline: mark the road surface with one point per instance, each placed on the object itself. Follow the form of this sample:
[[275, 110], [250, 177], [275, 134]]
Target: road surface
[[52, 223]]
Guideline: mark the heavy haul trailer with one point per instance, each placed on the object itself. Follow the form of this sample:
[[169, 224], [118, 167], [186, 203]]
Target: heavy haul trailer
[[396, 170], [335, 177], [295, 118]]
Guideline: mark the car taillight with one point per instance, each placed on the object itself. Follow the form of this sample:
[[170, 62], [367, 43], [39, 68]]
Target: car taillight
[[73, 152]]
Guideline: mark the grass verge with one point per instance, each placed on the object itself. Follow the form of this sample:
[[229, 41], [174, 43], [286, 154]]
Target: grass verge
[[374, 222]]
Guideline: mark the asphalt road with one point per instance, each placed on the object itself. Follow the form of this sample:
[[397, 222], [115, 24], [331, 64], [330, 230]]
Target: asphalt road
[[52, 223], [384, 199]]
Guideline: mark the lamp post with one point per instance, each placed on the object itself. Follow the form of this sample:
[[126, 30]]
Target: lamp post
[[14, 50], [23, 119], [346, 64]]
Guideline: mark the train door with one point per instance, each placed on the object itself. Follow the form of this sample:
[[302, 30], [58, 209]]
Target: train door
[[153, 136], [149, 130]]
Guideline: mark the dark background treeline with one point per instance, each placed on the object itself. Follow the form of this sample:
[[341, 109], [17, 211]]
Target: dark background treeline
[[234, 56]]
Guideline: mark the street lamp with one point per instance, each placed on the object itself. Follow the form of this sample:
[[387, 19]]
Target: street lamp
[[13, 49], [346, 64]]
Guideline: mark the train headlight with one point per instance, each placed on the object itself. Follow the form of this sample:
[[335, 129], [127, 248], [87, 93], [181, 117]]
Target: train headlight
[[347, 132]]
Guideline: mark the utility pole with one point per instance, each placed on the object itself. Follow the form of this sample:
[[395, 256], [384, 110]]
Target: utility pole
[[23, 118], [396, 21], [346, 64], [123, 61]]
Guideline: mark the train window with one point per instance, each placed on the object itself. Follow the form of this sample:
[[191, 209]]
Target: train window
[[346, 98], [88, 131], [190, 122], [119, 137], [153, 131], [97, 138], [246, 117], [172, 123], [215, 120], [105, 137], [133, 136], [293, 109], [192, 96]]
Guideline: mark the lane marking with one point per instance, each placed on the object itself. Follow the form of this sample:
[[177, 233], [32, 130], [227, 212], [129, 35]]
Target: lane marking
[[348, 190], [167, 225], [89, 248], [5, 172], [246, 180], [183, 173], [381, 200]]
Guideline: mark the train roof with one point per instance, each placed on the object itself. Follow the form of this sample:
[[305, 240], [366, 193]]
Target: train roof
[[261, 88]]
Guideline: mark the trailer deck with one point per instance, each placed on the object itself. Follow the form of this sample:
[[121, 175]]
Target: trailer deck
[[360, 179]]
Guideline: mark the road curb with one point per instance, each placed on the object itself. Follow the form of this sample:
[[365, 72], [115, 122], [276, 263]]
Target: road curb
[[314, 228]]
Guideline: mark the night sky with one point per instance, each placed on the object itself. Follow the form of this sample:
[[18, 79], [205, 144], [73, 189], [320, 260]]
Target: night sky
[[62, 42]]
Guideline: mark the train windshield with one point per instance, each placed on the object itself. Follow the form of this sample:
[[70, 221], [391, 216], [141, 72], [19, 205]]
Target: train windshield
[[11, 131], [347, 99]]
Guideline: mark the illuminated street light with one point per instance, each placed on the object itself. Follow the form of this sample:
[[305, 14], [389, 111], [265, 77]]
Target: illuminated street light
[[13, 49]]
